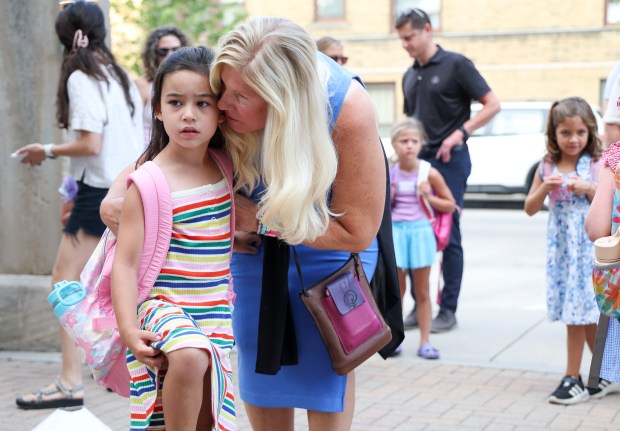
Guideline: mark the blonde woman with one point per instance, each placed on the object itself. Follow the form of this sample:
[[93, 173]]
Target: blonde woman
[[310, 170]]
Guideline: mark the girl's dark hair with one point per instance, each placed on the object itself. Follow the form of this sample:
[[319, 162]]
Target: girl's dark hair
[[569, 108], [150, 58], [199, 60], [88, 18]]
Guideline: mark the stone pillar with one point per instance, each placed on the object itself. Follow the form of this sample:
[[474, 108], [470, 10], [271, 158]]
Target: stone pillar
[[30, 58]]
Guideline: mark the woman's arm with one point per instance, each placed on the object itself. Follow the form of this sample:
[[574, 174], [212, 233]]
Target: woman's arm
[[124, 280], [442, 200], [110, 209], [598, 219], [360, 186]]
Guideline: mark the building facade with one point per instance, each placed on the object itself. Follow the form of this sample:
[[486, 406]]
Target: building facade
[[541, 50]]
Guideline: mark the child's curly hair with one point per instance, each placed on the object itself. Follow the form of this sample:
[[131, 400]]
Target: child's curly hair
[[569, 108]]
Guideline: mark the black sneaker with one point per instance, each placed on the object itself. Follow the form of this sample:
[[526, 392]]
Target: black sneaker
[[411, 321], [604, 387], [570, 391], [443, 322]]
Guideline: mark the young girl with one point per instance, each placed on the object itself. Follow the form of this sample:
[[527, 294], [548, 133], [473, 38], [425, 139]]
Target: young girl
[[414, 240], [568, 175], [101, 108], [179, 341]]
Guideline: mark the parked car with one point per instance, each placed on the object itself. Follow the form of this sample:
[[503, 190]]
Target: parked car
[[505, 153]]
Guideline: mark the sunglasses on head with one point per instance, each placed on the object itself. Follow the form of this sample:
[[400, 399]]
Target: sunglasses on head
[[340, 59], [420, 13], [64, 3], [162, 52]]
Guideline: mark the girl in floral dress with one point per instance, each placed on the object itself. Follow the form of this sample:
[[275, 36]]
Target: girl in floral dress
[[568, 175]]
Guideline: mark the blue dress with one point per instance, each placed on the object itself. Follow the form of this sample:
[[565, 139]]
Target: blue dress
[[311, 384], [570, 296]]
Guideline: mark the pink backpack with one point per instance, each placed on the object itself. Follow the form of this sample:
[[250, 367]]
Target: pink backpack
[[85, 309]]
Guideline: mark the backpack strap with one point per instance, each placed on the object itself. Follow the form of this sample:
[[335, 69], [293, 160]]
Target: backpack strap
[[157, 203], [424, 170]]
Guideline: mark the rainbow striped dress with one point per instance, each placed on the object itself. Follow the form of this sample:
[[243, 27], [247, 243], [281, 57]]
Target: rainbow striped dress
[[189, 305]]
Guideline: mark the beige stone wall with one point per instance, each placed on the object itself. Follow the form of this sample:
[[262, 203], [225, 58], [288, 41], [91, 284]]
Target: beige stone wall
[[30, 203], [526, 51]]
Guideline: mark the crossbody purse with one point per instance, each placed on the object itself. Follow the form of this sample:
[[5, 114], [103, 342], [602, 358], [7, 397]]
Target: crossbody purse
[[346, 315]]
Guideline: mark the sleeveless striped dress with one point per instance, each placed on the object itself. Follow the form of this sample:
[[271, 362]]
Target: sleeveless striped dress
[[189, 305]]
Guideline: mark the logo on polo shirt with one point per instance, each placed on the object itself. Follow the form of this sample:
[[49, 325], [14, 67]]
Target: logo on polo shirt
[[435, 80]]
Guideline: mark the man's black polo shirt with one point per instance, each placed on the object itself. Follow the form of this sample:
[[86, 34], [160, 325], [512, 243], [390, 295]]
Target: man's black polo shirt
[[439, 94]]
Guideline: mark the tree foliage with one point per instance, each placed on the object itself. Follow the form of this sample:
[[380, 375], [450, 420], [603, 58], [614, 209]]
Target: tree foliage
[[204, 21]]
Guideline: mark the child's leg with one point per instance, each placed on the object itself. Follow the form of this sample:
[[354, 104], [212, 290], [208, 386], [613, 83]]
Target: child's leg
[[402, 282], [590, 336], [423, 301], [182, 392], [575, 340], [73, 253], [205, 418]]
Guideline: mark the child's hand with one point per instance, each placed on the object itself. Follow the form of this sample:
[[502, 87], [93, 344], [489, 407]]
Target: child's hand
[[553, 182], [579, 186], [425, 188], [34, 154], [139, 342]]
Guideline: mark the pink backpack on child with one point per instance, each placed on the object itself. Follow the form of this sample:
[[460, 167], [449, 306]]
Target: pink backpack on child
[[85, 309]]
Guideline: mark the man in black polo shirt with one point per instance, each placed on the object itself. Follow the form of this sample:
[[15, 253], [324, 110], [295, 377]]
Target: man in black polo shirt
[[438, 91]]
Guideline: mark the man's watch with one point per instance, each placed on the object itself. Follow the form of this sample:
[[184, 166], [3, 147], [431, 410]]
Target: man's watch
[[465, 134]]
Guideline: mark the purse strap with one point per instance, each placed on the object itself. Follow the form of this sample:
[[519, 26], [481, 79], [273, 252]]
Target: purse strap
[[304, 290]]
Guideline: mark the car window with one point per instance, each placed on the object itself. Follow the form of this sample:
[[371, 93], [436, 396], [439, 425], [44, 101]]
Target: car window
[[515, 122]]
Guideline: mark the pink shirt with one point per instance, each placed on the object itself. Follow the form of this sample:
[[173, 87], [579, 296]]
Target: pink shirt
[[405, 205]]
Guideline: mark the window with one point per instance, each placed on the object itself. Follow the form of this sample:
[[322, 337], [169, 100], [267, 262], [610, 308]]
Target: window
[[329, 9], [382, 95], [431, 7], [613, 12]]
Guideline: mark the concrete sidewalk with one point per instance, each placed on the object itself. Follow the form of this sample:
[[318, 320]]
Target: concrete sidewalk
[[400, 394], [495, 373]]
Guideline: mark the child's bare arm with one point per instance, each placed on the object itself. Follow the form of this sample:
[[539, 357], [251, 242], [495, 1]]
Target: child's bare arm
[[442, 200], [539, 190], [124, 280], [598, 219]]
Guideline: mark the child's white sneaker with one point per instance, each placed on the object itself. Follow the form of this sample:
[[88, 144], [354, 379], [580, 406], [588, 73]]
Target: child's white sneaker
[[603, 388]]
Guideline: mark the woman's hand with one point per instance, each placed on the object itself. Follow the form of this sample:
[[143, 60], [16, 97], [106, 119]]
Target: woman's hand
[[139, 342], [245, 214], [35, 154]]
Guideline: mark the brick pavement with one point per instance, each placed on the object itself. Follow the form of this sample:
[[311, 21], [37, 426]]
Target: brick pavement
[[401, 394]]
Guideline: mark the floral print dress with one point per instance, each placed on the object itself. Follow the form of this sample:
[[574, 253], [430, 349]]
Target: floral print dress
[[570, 296]]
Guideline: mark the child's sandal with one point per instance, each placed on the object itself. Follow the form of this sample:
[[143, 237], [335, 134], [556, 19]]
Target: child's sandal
[[427, 351], [39, 401]]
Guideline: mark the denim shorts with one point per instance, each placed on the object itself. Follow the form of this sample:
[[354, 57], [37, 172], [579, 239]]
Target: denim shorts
[[85, 212]]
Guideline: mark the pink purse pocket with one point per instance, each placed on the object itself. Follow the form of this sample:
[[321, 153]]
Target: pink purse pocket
[[350, 312]]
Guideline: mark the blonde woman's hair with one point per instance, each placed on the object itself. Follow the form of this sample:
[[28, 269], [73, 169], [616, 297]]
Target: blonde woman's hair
[[409, 123], [294, 155]]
